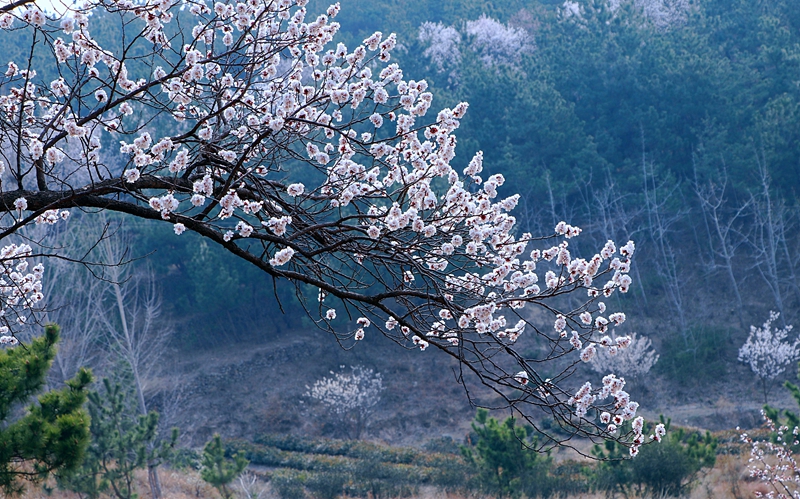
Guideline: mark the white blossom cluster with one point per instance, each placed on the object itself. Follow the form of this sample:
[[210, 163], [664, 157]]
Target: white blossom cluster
[[773, 461], [356, 391], [20, 289], [767, 351], [613, 387]]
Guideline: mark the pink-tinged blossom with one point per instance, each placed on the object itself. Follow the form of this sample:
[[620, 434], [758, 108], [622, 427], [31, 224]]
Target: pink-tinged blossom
[[244, 229], [575, 341], [608, 250], [51, 217], [278, 225], [34, 16], [6, 21], [198, 200], [282, 257], [36, 148], [179, 228], [228, 156], [376, 119], [131, 175], [617, 318], [21, 204], [295, 190]]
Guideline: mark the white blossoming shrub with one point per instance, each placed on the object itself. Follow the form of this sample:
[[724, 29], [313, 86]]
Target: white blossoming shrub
[[492, 41], [350, 397], [496, 42], [634, 360], [442, 44], [664, 14], [768, 353], [239, 107]]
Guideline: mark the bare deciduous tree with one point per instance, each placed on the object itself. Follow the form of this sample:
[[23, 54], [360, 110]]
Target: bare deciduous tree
[[724, 239], [768, 240], [131, 317]]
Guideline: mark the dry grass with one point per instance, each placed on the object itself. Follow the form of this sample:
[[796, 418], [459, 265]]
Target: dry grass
[[727, 480], [174, 485]]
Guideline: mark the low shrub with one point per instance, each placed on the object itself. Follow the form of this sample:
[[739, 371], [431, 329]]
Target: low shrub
[[289, 484], [668, 468]]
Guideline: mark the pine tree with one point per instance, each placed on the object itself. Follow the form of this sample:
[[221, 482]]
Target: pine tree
[[219, 471], [53, 434], [121, 443], [506, 465]]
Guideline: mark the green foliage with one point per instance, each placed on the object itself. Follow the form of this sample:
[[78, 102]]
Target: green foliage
[[356, 449], [289, 484], [704, 359], [53, 435], [661, 469], [506, 465], [121, 443], [185, 459], [327, 485], [442, 445], [218, 470], [325, 468], [792, 419]]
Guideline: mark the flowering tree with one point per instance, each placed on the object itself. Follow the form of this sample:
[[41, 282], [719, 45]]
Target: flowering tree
[[664, 14], [351, 398], [492, 41], [442, 44], [634, 361], [773, 461], [245, 123], [768, 353]]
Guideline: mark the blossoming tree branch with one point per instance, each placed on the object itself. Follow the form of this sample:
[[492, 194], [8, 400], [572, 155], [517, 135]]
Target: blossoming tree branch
[[247, 124]]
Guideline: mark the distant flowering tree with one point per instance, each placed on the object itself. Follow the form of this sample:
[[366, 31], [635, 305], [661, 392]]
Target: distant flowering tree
[[442, 44], [663, 14], [317, 163], [497, 43], [350, 397], [768, 353], [492, 41], [634, 361]]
